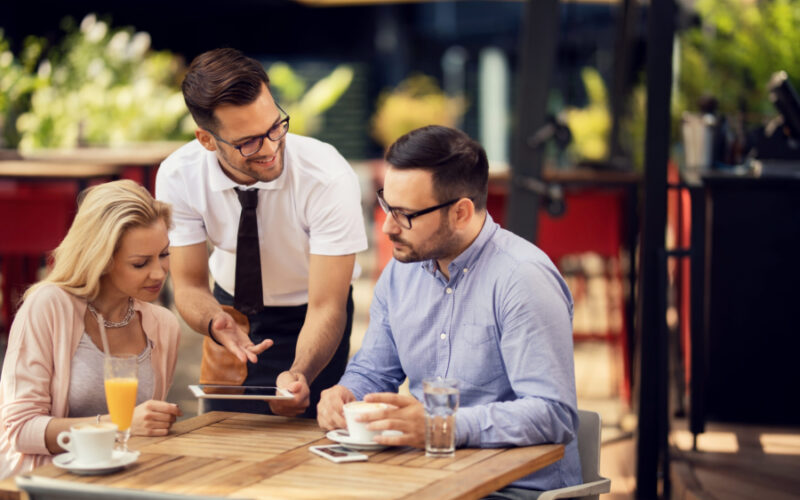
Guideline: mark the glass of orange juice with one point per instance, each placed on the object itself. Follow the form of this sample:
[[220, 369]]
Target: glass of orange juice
[[121, 383]]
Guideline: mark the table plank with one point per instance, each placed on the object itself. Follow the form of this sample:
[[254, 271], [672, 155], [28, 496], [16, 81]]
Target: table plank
[[253, 439], [487, 476], [471, 456], [8, 489], [342, 481], [147, 153], [47, 170], [180, 428]]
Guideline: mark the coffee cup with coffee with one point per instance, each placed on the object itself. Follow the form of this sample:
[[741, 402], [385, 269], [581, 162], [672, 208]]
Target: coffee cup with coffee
[[358, 430], [91, 443]]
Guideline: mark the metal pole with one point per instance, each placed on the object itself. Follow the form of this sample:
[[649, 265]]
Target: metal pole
[[651, 458], [623, 45], [537, 57]]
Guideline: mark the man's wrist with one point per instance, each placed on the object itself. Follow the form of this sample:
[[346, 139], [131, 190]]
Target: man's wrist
[[211, 331], [298, 373]]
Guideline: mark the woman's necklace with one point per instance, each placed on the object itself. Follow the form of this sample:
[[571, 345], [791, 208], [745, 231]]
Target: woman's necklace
[[112, 324]]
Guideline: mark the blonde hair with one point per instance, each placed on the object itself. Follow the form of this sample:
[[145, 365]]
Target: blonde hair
[[105, 213]]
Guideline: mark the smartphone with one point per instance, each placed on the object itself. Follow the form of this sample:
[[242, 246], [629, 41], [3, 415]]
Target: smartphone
[[338, 453], [239, 392]]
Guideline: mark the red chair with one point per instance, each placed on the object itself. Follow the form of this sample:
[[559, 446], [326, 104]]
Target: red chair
[[34, 218], [593, 222]]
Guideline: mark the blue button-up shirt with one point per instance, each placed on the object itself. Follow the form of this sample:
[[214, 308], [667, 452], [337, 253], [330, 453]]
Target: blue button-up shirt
[[502, 326]]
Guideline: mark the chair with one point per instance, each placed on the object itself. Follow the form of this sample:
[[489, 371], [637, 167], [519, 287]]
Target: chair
[[45, 488], [589, 452], [36, 217]]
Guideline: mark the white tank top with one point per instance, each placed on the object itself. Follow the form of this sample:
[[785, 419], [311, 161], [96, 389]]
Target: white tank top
[[87, 395]]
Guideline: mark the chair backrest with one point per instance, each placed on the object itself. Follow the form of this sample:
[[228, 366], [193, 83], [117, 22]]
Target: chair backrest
[[589, 444]]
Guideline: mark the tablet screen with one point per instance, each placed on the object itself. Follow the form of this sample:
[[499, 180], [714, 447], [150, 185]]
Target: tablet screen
[[239, 392]]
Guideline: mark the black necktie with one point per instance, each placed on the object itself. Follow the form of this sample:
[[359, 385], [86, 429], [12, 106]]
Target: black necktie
[[248, 296]]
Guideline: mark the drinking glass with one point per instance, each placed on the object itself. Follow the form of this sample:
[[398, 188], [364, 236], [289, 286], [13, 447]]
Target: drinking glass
[[121, 383], [441, 404]]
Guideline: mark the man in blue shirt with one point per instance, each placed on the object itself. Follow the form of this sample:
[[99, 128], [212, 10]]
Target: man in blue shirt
[[464, 299]]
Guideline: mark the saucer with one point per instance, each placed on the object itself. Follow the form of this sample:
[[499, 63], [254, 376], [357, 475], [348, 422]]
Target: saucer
[[341, 436], [119, 459]]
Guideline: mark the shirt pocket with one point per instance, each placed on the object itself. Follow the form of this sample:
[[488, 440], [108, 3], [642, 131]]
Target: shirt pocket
[[477, 361]]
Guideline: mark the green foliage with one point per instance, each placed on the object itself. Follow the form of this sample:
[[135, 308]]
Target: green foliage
[[305, 106], [590, 125], [17, 82], [416, 102], [103, 87], [633, 126], [730, 56], [733, 53]]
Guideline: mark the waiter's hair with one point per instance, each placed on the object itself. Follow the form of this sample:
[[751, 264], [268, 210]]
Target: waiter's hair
[[457, 162], [105, 213], [219, 77]]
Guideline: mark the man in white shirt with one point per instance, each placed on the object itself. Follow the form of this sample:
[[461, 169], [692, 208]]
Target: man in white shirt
[[310, 226]]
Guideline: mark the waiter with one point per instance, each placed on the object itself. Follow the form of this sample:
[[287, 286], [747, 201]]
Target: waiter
[[283, 215]]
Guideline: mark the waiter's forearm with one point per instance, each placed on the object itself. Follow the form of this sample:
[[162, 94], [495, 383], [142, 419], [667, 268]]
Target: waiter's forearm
[[190, 281], [197, 306], [318, 340]]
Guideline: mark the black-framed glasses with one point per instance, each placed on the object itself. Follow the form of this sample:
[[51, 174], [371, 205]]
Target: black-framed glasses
[[253, 146], [404, 219]]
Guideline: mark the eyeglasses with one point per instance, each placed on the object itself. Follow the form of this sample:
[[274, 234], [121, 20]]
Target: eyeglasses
[[404, 219], [253, 146]]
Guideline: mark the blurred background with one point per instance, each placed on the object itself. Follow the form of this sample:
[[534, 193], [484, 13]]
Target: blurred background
[[90, 91]]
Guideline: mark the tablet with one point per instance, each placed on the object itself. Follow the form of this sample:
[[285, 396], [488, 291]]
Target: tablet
[[239, 392]]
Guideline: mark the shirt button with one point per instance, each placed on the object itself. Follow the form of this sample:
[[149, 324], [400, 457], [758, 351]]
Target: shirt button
[[443, 336], [449, 290], [466, 270]]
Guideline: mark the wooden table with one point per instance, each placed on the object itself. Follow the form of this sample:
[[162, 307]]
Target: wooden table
[[47, 170], [258, 456]]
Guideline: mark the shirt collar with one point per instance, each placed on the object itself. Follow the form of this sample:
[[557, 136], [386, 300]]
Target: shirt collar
[[467, 258], [218, 181]]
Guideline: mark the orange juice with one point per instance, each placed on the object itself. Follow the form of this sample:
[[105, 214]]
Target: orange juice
[[121, 399]]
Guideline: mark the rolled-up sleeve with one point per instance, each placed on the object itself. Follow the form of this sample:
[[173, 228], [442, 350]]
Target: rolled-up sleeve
[[376, 366]]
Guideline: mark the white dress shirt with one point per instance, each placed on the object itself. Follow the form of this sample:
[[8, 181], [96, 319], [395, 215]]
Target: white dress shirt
[[314, 207]]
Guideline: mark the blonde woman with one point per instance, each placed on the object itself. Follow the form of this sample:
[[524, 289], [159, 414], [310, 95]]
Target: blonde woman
[[113, 262]]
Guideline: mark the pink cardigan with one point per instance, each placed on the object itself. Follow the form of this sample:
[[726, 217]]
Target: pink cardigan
[[34, 386]]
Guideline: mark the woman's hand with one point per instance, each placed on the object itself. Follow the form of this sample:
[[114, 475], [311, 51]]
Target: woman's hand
[[154, 418]]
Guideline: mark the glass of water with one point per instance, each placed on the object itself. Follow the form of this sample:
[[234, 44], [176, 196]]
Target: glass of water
[[441, 404]]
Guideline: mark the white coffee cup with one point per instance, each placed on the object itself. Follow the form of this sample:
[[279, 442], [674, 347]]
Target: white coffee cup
[[358, 430], [91, 443]]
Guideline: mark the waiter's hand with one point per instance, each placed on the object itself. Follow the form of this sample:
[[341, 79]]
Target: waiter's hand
[[236, 339], [297, 384], [330, 410]]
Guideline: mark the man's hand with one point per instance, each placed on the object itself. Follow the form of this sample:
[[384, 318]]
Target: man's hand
[[330, 414], [154, 418], [297, 384], [235, 339], [408, 416]]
